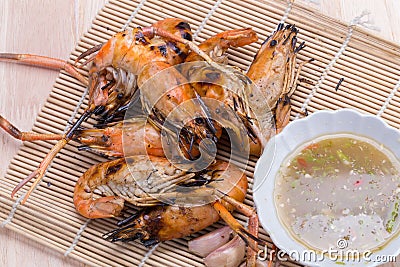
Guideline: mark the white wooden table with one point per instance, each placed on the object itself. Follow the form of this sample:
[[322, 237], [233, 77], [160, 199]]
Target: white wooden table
[[51, 28]]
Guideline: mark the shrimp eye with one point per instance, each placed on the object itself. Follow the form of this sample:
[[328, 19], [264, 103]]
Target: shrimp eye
[[187, 36], [199, 120], [273, 43], [183, 26]]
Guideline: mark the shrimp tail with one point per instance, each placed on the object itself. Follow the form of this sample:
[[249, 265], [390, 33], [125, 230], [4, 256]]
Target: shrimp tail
[[104, 207], [217, 45]]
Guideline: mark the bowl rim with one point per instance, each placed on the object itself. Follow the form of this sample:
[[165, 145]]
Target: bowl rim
[[264, 177]]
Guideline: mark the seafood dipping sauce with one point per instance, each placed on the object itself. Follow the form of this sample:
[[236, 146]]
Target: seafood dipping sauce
[[340, 187]]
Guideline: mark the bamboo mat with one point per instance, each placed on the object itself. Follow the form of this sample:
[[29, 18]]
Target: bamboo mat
[[368, 64]]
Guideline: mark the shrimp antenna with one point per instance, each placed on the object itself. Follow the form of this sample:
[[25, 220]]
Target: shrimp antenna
[[39, 173]]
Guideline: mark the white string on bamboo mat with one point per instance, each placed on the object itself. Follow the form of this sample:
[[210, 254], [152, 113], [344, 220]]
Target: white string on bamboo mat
[[132, 16], [12, 211], [77, 237], [147, 255], [388, 99], [287, 11], [204, 22], [359, 20], [315, 2]]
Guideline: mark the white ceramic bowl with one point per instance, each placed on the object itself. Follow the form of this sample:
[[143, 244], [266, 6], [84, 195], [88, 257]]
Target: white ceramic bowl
[[280, 146]]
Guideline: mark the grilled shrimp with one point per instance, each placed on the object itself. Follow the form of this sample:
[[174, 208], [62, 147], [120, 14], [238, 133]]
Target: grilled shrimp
[[275, 75], [180, 93], [273, 68], [141, 179], [194, 200]]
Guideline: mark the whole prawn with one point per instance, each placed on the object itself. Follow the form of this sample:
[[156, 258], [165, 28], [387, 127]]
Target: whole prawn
[[151, 181], [275, 74]]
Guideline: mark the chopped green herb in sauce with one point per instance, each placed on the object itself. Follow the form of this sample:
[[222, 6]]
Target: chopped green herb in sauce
[[391, 223]]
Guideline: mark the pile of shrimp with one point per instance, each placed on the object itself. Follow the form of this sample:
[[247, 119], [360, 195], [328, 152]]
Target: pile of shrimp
[[164, 160]]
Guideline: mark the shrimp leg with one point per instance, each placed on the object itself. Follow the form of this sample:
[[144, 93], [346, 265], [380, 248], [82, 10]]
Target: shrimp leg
[[39, 172], [40, 61], [283, 106], [282, 113], [217, 45], [225, 215], [25, 136], [44, 62], [252, 226]]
